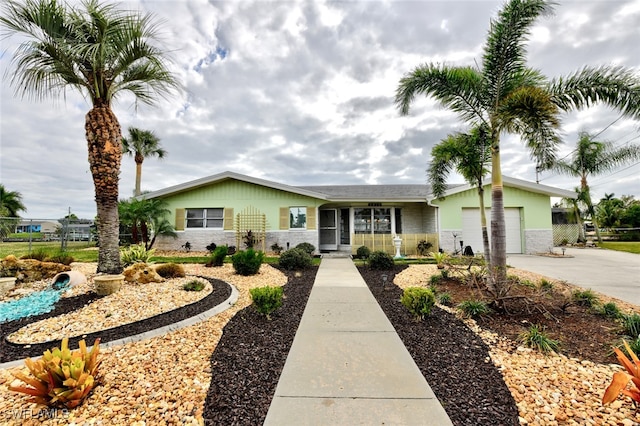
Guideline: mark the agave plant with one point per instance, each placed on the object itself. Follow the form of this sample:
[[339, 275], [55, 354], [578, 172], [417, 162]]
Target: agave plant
[[621, 379], [61, 378]]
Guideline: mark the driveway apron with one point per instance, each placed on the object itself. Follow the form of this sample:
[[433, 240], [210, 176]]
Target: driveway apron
[[613, 273]]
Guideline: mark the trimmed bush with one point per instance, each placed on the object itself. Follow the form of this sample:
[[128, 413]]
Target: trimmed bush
[[170, 270], [380, 260], [295, 259], [247, 262], [218, 256], [267, 299], [419, 301], [363, 252], [308, 247]]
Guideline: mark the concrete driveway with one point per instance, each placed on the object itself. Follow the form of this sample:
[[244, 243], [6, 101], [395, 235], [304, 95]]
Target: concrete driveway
[[614, 273]]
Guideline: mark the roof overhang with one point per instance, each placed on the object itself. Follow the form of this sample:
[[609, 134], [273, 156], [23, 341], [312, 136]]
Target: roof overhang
[[187, 186], [516, 183]]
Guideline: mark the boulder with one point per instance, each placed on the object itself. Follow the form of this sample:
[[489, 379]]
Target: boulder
[[29, 270], [141, 273]]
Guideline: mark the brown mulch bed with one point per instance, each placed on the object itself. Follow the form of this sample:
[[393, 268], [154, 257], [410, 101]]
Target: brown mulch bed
[[453, 359]]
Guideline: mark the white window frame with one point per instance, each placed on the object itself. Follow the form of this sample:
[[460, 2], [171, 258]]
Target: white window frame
[[294, 217], [208, 214]]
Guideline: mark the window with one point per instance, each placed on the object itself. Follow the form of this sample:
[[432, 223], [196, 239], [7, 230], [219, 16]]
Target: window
[[297, 217], [372, 221], [205, 218]]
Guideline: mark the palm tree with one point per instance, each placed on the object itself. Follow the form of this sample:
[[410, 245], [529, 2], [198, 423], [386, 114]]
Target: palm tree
[[591, 157], [10, 205], [469, 154], [508, 97], [141, 144], [102, 52], [145, 219]]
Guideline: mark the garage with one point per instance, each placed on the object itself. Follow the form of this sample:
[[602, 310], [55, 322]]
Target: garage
[[472, 232]]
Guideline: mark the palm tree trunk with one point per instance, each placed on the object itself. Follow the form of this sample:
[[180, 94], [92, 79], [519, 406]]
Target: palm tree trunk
[[483, 225], [498, 269], [138, 191], [105, 154]]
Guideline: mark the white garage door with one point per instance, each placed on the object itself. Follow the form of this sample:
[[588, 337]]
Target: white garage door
[[472, 233]]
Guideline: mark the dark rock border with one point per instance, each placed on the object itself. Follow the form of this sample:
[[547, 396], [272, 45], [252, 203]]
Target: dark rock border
[[12, 351]]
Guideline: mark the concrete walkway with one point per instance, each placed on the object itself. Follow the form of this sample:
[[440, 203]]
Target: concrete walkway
[[347, 364], [614, 273]]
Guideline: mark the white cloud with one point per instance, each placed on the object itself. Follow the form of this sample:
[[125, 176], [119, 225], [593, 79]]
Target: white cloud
[[308, 88]]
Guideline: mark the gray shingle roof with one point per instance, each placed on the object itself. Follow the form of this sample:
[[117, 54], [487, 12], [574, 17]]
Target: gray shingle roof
[[372, 192]]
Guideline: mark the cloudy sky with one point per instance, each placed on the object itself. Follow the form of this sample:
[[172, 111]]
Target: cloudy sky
[[302, 93]]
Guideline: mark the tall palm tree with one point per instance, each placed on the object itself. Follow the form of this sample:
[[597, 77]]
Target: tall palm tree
[[591, 157], [469, 154], [10, 205], [102, 52], [141, 144], [505, 95]]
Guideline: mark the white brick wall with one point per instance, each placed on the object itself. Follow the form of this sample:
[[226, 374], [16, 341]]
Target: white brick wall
[[538, 240]]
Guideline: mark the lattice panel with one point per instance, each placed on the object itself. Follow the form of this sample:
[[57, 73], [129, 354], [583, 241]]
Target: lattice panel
[[251, 219]]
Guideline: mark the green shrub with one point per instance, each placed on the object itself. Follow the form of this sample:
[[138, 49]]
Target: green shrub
[[418, 301], [276, 248], [194, 285], [247, 262], [218, 256], [39, 254], [363, 252], [585, 298], [546, 285], [61, 257], [445, 299], [380, 260], [631, 325], [474, 308], [295, 259], [634, 345], [423, 247], [134, 254], [435, 279], [170, 270], [536, 338], [308, 247], [610, 310], [444, 273], [266, 299]]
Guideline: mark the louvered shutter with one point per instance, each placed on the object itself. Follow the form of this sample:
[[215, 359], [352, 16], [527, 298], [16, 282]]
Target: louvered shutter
[[311, 218], [179, 219], [228, 219], [284, 217]]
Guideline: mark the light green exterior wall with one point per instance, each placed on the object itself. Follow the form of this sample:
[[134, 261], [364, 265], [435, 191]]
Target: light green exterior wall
[[239, 195], [536, 208]]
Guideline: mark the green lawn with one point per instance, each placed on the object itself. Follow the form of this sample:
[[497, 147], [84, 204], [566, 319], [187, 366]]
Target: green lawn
[[628, 246], [87, 252]]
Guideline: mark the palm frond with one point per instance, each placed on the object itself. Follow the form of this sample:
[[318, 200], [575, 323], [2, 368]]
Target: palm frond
[[457, 88], [505, 50], [614, 86]]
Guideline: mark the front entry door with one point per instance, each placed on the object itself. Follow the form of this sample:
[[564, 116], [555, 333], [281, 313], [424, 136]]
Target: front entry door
[[329, 229]]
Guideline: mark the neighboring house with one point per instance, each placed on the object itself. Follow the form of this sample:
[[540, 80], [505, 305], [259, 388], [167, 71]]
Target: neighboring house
[[222, 209], [34, 225], [527, 211]]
